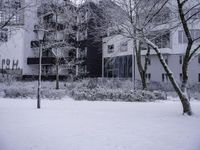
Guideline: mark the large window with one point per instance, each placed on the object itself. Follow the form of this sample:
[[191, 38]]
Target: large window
[[183, 39], [118, 67]]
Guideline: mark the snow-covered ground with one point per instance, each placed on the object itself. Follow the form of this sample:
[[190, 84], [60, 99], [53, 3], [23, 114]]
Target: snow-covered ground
[[72, 125]]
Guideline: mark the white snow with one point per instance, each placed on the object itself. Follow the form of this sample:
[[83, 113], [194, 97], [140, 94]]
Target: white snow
[[72, 125]]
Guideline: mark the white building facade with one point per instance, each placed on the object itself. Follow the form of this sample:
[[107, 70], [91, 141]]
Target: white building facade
[[118, 55], [16, 49], [19, 52]]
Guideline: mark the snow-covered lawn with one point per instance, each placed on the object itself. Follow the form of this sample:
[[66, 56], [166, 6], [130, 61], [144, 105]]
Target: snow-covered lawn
[[72, 125]]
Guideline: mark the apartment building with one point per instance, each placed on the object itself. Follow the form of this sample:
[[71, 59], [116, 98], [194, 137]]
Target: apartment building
[[118, 53], [89, 39], [58, 46], [16, 36], [19, 46]]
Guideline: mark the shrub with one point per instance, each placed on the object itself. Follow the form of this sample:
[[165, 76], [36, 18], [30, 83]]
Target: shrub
[[19, 93], [53, 94], [118, 94], [160, 95]]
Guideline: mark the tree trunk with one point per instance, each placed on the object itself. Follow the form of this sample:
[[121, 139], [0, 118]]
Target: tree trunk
[[183, 97], [57, 73], [142, 72], [144, 82], [190, 42], [185, 68]]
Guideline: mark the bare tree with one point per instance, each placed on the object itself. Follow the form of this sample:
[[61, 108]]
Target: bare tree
[[135, 18], [188, 16], [131, 16], [58, 19]]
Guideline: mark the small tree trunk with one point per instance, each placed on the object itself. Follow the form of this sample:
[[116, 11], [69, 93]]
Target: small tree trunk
[[185, 70], [144, 82], [183, 97], [57, 73], [142, 72]]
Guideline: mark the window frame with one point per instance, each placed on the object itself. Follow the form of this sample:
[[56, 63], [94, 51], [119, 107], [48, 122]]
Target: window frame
[[110, 48]]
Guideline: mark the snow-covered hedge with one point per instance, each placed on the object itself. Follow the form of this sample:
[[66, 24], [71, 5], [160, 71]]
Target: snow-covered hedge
[[19, 92], [112, 95], [31, 93], [112, 90], [86, 89]]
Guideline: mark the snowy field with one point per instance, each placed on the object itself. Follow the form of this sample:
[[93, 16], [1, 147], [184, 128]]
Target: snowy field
[[83, 125]]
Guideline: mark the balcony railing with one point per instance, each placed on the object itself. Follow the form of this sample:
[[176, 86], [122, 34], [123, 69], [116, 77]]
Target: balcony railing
[[53, 25], [45, 60]]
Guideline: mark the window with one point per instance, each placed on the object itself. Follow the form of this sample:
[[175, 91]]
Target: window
[[143, 46], [118, 67], [193, 13], [166, 60], [48, 18], [124, 46], [199, 77], [164, 77], [3, 36], [199, 58], [46, 70], [110, 48], [183, 39], [162, 41], [181, 77], [148, 76], [148, 61], [162, 17], [180, 59]]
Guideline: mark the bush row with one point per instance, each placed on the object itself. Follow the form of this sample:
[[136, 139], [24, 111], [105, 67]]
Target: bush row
[[31, 93], [87, 89], [99, 94], [102, 92]]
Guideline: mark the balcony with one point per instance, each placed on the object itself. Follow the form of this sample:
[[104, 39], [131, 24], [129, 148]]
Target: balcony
[[53, 25], [45, 60]]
